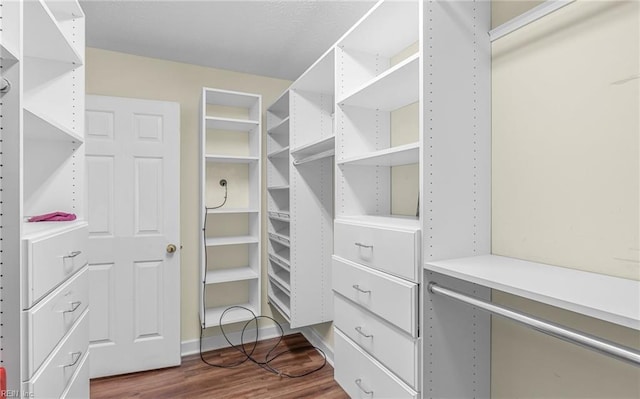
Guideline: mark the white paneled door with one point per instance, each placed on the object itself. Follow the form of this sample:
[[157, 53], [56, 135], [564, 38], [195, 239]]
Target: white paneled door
[[133, 180]]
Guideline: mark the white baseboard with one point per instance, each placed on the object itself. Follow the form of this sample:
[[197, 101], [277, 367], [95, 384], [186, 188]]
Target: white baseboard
[[192, 347], [218, 342], [314, 339]]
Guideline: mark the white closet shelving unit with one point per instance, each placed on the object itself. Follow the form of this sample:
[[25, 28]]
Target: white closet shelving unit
[[44, 281], [230, 147]]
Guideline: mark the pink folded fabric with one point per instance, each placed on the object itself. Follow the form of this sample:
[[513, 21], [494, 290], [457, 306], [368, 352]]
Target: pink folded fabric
[[53, 217]]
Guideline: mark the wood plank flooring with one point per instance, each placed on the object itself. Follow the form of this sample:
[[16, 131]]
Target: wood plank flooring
[[194, 379]]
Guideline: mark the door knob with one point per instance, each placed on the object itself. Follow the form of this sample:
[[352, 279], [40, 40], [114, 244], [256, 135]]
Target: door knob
[[171, 248]]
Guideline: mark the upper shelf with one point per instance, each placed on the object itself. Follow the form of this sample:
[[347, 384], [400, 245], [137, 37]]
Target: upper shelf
[[43, 37], [394, 156], [230, 159], [386, 29], [239, 125], [319, 149], [396, 87], [281, 153], [230, 98], [613, 299], [281, 128], [41, 127], [280, 107]]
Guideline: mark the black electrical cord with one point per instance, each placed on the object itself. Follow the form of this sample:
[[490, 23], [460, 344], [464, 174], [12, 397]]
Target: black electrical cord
[[266, 364]]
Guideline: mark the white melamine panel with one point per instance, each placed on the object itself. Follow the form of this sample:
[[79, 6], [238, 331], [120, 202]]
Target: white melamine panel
[[79, 386], [393, 299], [394, 156], [325, 145], [148, 188], [147, 127], [311, 116], [280, 128], [53, 317], [319, 77], [355, 68], [148, 300], [229, 98], [361, 131], [50, 259], [239, 125], [361, 376], [38, 126], [279, 108], [390, 346], [51, 379], [103, 303], [393, 250]]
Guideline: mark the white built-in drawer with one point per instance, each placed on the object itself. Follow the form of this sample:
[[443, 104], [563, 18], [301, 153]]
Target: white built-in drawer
[[53, 317], [394, 299], [391, 249], [390, 346], [78, 387], [57, 371], [361, 376], [52, 258]]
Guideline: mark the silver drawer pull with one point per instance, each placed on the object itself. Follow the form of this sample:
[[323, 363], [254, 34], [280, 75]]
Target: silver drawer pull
[[75, 356], [357, 288], [359, 330], [361, 245], [72, 254], [74, 305], [359, 384]]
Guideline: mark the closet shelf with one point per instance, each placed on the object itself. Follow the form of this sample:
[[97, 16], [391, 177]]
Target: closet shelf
[[43, 37], [282, 153], [280, 238], [324, 145], [64, 10], [230, 275], [280, 107], [281, 280], [280, 128], [230, 159], [231, 210], [390, 90], [7, 53], [280, 261], [612, 299], [31, 231], [385, 221], [233, 240], [238, 125], [371, 33], [41, 127], [274, 188], [394, 156], [235, 315], [278, 303], [282, 216]]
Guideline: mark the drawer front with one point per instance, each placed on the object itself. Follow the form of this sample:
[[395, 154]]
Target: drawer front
[[52, 259], [391, 298], [394, 349], [392, 251], [53, 317], [362, 377], [78, 388], [51, 379]]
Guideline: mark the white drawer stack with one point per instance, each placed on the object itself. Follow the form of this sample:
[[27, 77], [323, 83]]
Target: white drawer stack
[[55, 312], [376, 306]]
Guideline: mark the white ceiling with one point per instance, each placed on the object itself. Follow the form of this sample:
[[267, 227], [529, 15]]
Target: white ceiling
[[276, 38]]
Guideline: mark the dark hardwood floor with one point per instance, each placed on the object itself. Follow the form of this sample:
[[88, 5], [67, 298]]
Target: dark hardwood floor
[[194, 379]]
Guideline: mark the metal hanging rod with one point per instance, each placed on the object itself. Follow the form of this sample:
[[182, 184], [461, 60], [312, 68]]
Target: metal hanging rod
[[528, 17], [315, 157], [599, 345]]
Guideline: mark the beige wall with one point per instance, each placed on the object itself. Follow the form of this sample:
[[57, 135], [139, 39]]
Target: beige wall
[[117, 74], [566, 183]]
